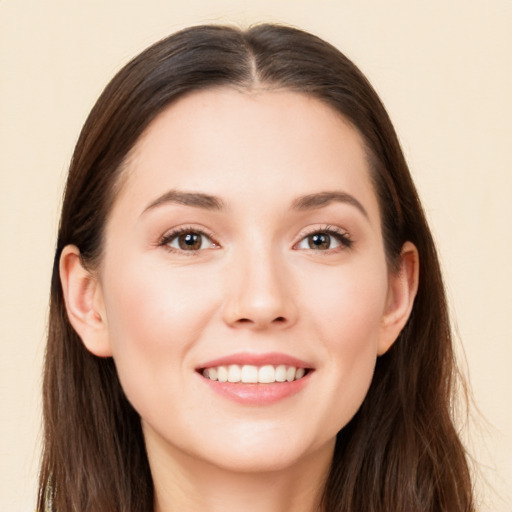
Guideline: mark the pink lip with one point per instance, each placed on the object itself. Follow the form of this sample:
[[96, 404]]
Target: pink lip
[[257, 394], [273, 358]]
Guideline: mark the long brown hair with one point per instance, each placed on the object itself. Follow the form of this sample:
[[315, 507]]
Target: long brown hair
[[401, 451]]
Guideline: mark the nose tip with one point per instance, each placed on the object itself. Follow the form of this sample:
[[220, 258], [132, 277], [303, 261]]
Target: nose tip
[[259, 297]]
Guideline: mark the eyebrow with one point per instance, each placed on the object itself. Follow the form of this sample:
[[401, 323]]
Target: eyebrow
[[320, 199], [209, 202], [195, 199]]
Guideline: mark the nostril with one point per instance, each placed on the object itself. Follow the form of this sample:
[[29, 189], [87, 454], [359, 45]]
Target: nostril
[[260, 321]]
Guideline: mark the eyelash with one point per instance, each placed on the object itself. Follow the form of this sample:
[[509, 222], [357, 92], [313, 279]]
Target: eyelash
[[331, 231], [185, 230], [338, 234]]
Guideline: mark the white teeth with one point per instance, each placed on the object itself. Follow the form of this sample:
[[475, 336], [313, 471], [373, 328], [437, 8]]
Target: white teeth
[[267, 374], [222, 374], [250, 374], [234, 373], [290, 373], [210, 373], [281, 373]]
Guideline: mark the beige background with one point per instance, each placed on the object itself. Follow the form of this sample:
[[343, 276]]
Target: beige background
[[444, 70]]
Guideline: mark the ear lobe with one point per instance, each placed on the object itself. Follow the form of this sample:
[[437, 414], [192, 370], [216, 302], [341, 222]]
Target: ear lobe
[[84, 302], [402, 289]]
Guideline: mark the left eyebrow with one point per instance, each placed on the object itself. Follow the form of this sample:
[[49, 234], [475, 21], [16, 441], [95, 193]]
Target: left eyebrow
[[321, 199]]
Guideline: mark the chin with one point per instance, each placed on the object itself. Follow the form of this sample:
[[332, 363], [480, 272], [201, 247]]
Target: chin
[[261, 462], [264, 453]]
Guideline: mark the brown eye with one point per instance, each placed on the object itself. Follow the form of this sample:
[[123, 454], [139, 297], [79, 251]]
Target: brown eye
[[326, 240], [190, 241], [319, 241]]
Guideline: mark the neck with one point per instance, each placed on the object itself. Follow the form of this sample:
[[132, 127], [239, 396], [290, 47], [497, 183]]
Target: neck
[[184, 483]]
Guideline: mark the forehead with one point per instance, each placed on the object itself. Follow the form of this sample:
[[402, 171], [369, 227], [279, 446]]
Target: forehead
[[239, 145]]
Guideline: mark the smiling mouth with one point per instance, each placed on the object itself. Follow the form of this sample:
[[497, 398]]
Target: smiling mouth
[[251, 374]]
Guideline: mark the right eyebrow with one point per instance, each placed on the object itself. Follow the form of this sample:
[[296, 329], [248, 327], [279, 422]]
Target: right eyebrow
[[195, 199]]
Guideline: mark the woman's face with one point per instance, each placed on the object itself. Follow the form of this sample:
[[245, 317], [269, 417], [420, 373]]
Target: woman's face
[[245, 243]]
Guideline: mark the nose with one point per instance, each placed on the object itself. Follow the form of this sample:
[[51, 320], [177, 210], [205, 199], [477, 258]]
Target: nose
[[259, 293]]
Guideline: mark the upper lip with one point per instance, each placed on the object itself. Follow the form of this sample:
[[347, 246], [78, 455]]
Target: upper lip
[[244, 358]]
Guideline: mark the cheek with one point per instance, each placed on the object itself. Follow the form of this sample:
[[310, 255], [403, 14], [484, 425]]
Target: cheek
[[349, 305], [150, 306], [347, 316], [154, 318]]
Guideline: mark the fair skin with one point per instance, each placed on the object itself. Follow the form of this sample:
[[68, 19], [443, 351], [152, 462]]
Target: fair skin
[[278, 261]]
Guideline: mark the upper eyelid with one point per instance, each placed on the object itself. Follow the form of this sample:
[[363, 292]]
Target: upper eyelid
[[342, 235], [174, 232], [325, 228]]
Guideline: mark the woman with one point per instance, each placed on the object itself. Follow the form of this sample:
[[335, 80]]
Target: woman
[[247, 309]]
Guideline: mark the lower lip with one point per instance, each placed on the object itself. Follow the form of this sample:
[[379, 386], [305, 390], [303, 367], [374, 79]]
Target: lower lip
[[257, 394]]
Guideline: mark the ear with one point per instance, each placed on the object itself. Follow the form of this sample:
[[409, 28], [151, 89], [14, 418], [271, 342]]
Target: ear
[[402, 289], [84, 302]]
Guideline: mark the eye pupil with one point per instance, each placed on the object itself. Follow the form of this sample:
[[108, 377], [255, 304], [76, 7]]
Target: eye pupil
[[319, 241], [190, 241]]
